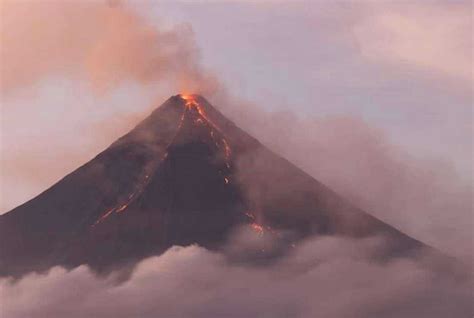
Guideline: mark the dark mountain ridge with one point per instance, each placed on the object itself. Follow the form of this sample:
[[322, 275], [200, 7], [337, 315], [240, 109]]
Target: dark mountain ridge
[[184, 175]]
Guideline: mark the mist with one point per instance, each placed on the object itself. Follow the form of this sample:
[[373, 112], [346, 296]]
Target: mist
[[327, 277]]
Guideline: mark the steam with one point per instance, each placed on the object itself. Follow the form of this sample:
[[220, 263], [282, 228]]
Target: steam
[[327, 277], [102, 44]]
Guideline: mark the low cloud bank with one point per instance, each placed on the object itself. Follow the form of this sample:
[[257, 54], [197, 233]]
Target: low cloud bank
[[325, 277]]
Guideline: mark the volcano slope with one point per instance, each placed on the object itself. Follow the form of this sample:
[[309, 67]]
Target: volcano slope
[[185, 175]]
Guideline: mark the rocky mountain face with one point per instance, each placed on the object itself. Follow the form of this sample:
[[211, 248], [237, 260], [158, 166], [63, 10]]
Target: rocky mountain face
[[184, 175]]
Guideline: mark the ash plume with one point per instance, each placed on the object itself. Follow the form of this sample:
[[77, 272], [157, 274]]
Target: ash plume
[[102, 44]]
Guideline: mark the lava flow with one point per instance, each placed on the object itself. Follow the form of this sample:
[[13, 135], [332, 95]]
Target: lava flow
[[191, 105], [184, 175], [120, 208]]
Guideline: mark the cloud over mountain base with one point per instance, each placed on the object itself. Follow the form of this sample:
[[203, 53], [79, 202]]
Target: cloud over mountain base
[[325, 277]]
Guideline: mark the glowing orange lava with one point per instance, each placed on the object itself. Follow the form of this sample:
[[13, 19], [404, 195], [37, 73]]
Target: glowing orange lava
[[123, 207], [191, 104], [106, 214], [257, 228]]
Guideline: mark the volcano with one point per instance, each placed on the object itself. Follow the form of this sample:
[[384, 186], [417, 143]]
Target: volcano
[[185, 175]]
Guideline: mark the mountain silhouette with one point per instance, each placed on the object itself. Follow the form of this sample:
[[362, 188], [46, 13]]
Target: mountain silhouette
[[184, 175]]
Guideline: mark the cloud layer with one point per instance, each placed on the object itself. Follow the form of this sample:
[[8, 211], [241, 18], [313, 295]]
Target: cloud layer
[[326, 277]]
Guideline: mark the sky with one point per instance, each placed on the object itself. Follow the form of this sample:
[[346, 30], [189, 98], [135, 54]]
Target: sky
[[373, 98], [403, 67]]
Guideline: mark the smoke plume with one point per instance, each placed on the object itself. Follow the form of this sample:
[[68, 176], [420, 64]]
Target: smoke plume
[[102, 44]]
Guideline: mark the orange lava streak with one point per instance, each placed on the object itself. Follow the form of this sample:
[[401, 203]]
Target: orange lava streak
[[191, 103], [123, 207], [106, 214], [257, 228], [147, 180]]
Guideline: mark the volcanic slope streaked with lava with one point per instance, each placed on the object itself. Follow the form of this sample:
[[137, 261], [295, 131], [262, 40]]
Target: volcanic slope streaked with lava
[[184, 175]]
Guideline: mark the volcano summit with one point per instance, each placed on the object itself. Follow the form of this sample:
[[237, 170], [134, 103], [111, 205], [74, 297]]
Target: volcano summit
[[184, 175]]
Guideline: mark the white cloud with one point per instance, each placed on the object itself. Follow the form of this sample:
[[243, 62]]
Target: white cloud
[[327, 277]]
